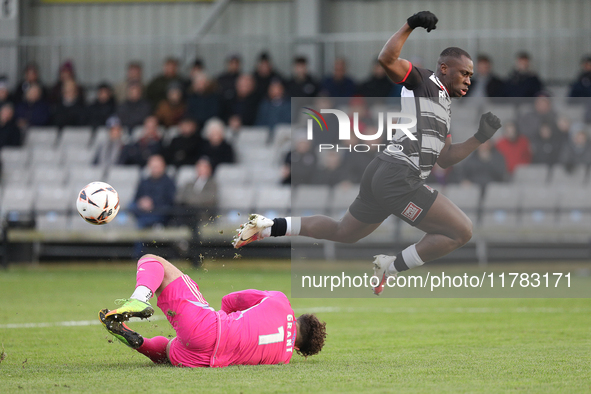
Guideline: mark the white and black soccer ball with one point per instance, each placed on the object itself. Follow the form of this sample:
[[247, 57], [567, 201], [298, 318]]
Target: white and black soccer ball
[[98, 203]]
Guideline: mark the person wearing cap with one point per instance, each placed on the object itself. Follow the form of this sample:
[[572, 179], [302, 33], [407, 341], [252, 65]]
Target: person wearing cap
[[264, 74], [108, 152], [103, 107], [227, 80], [66, 74]]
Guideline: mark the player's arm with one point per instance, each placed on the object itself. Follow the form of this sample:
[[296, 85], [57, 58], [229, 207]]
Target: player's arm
[[397, 68], [454, 153], [241, 300]]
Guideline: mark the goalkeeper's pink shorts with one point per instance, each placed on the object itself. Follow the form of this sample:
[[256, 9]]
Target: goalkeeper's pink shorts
[[195, 323]]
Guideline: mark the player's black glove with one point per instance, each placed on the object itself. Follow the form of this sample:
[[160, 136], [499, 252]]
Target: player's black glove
[[425, 19], [489, 124]]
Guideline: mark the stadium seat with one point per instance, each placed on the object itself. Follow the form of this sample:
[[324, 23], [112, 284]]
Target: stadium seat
[[310, 199], [266, 175], [499, 209], [124, 221], [17, 198], [75, 136], [126, 194], [74, 157], [531, 174], [16, 176], [232, 174], [273, 201], [233, 197], [120, 176], [466, 197], [538, 206], [184, 175], [80, 176], [45, 137], [561, 178], [256, 156], [342, 197], [54, 199], [252, 137], [14, 157], [49, 175], [574, 212], [44, 157], [76, 223], [52, 221]]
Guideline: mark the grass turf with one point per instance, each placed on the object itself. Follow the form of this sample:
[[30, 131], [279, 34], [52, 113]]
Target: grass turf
[[374, 345]]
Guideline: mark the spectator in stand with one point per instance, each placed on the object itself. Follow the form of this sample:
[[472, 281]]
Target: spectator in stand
[[171, 110], [155, 195], [483, 166], [484, 82], [134, 75], [264, 74], [275, 109], [286, 170], [523, 81], [71, 110], [157, 89], [227, 80], [303, 161], [331, 171], [103, 107], [216, 148], [378, 84], [4, 92], [30, 77], [203, 102], [514, 147], [576, 152], [242, 109], [108, 153], [197, 68], [10, 134], [33, 110], [529, 124], [301, 84], [546, 145], [201, 193], [186, 147], [135, 109], [339, 84], [149, 144], [581, 87], [66, 74]]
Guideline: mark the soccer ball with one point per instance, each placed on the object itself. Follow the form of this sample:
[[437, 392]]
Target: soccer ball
[[98, 203]]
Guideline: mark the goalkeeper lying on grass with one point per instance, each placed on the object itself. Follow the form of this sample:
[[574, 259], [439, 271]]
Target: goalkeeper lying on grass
[[252, 327]]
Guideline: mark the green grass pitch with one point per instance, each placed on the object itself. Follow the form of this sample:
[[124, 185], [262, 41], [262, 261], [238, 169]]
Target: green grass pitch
[[373, 345]]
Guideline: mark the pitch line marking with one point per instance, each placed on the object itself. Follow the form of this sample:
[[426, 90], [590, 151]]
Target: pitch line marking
[[73, 323]]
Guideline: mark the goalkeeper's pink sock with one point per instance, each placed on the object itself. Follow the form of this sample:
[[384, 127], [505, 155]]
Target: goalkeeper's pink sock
[[149, 278], [154, 349]]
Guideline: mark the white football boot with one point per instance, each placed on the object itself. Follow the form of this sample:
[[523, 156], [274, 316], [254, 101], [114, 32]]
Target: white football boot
[[251, 230], [380, 266]]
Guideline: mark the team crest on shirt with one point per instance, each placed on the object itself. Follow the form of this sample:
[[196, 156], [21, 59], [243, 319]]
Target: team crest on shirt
[[412, 211]]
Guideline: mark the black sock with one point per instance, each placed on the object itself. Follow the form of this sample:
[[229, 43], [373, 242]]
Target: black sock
[[399, 263], [279, 227]]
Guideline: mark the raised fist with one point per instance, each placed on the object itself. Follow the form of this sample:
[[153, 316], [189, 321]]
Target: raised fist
[[489, 124], [425, 19]]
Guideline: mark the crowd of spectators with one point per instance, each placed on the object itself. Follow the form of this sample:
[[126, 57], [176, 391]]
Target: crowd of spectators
[[202, 105]]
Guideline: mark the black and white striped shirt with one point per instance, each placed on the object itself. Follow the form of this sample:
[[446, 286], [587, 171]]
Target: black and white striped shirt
[[425, 98]]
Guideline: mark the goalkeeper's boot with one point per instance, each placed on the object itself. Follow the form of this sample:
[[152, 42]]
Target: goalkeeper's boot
[[120, 331], [251, 230], [131, 308], [380, 269]]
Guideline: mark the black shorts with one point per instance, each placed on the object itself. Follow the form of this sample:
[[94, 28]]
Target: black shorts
[[391, 188]]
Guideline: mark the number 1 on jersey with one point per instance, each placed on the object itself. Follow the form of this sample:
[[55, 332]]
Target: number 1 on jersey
[[272, 338]]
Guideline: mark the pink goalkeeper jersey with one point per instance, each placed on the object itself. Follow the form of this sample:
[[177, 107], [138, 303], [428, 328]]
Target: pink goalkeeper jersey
[[254, 327]]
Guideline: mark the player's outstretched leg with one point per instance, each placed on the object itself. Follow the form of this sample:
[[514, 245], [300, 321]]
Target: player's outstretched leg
[[346, 230], [447, 228]]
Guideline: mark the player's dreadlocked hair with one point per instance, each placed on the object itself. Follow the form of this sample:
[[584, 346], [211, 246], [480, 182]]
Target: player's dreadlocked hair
[[312, 334], [454, 52]]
